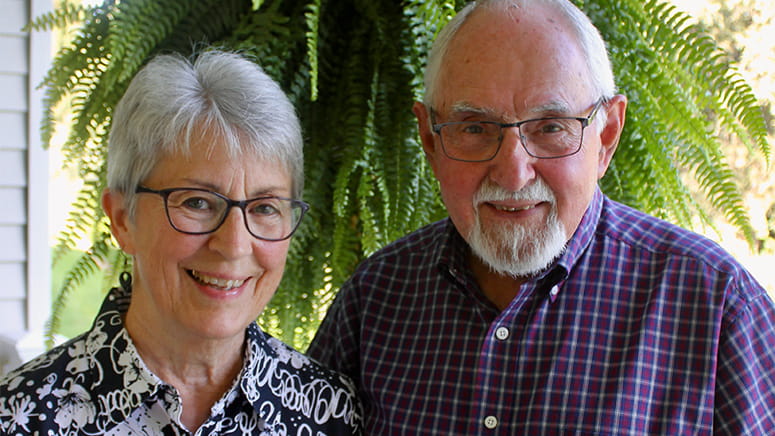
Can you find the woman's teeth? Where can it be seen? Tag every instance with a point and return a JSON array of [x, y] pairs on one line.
[[215, 282]]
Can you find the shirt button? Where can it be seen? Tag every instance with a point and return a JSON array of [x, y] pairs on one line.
[[491, 422], [502, 333], [555, 290]]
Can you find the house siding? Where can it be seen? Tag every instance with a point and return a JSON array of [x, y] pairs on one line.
[[24, 254]]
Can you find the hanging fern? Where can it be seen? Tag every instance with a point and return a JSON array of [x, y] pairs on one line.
[[681, 91], [353, 69]]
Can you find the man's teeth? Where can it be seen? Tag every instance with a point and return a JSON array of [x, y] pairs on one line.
[[514, 209], [216, 282]]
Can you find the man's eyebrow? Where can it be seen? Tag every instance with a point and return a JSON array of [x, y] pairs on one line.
[[557, 107], [552, 107], [465, 107]]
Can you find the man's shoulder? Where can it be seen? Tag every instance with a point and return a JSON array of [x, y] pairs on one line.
[[649, 234]]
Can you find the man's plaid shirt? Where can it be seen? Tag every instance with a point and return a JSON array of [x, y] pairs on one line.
[[640, 328]]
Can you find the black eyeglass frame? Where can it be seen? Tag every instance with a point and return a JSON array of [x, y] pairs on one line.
[[241, 204], [585, 122]]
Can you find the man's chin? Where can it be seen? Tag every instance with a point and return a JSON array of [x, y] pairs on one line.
[[518, 252]]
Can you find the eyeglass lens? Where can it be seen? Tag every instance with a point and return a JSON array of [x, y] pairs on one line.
[[193, 211], [543, 138]]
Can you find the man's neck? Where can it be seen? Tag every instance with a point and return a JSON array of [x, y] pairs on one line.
[[500, 289]]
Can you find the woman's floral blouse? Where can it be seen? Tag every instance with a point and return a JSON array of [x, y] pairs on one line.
[[97, 384]]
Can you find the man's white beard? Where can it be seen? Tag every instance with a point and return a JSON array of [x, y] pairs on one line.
[[513, 249]]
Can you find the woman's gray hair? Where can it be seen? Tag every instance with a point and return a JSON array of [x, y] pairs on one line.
[[173, 98], [592, 44]]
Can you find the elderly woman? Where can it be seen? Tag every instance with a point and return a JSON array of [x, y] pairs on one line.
[[204, 175]]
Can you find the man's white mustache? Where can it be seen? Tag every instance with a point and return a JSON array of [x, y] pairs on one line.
[[538, 191]]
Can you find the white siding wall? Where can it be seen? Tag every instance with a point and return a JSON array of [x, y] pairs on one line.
[[24, 254]]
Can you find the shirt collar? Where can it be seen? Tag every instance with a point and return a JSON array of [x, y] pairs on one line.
[[266, 361], [115, 367], [255, 351], [127, 376], [452, 251], [584, 233], [558, 272]]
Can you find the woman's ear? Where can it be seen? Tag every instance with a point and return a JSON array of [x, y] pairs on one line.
[[611, 131], [120, 220]]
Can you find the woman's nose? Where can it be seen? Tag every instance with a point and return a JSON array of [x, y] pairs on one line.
[[232, 239]]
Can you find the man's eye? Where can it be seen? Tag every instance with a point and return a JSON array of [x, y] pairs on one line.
[[473, 128], [552, 128]]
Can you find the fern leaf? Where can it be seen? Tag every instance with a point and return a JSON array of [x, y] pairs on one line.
[[67, 14], [313, 18]]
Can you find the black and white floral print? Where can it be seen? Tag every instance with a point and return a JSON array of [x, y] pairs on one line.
[[97, 384]]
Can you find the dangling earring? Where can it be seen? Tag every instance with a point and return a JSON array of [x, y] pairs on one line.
[[125, 278]]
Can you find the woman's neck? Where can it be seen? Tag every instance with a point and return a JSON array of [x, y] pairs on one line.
[[200, 369]]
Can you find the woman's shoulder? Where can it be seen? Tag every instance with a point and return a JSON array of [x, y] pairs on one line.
[[299, 386], [54, 361], [272, 353], [69, 387], [30, 394]]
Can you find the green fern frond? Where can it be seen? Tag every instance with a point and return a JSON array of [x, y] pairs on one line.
[[691, 92], [732, 102], [83, 217], [312, 18], [136, 29], [89, 264], [265, 35], [698, 53], [74, 69], [67, 14]]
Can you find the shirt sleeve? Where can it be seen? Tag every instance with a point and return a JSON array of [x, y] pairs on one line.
[[336, 343], [745, 383]]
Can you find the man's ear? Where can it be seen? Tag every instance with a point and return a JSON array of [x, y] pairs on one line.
[[611, 131], [120, 220], [424, 126]]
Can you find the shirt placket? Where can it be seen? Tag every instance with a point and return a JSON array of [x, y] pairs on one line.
[[496, 377]]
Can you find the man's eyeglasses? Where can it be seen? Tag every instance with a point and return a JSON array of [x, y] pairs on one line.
[[196, 211], [543, 138]]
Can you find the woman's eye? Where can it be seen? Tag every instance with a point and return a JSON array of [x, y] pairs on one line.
[[264, 209], [197, 203]]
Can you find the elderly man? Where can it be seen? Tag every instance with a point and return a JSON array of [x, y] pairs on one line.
[[541, 306]]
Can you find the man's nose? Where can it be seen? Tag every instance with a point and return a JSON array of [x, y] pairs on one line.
[[512, 168]]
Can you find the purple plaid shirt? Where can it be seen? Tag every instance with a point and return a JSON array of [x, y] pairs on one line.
[[640, 328]]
